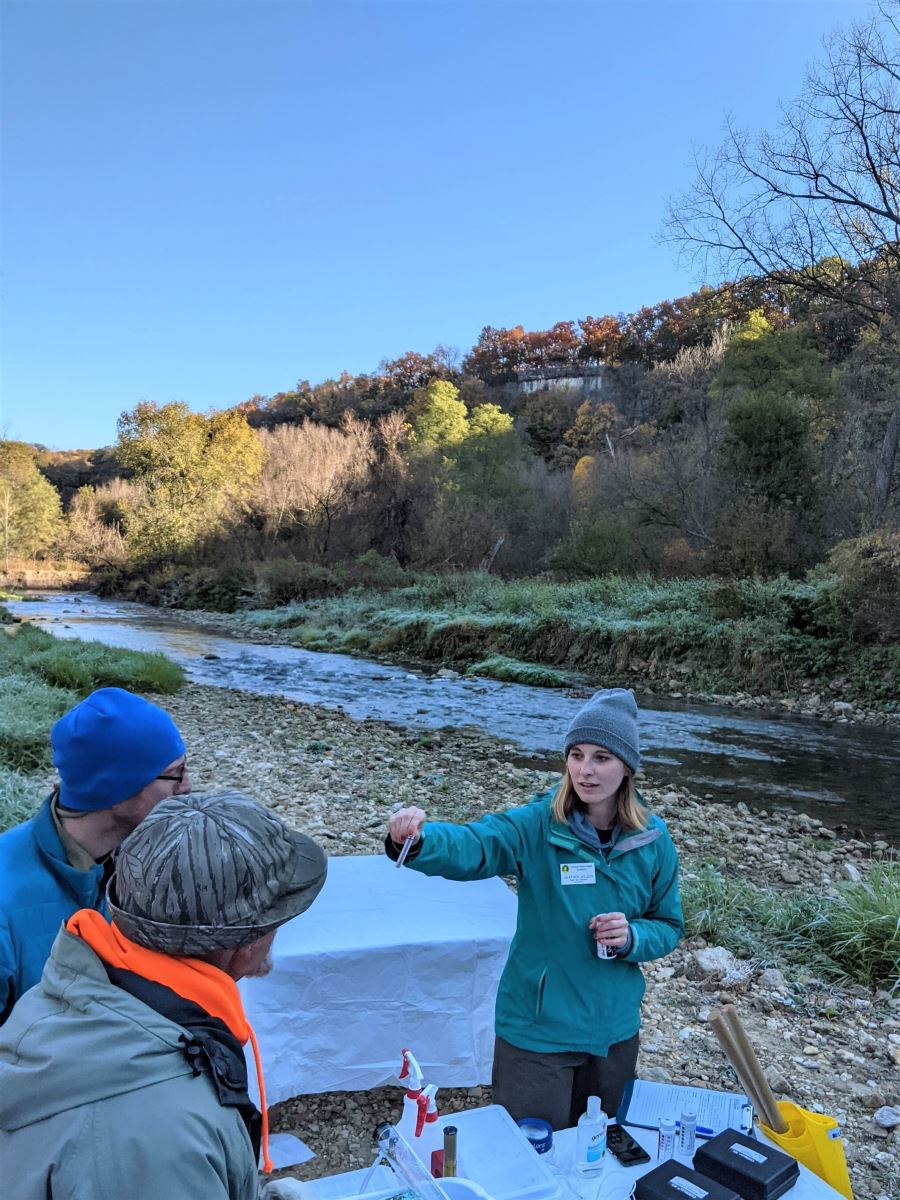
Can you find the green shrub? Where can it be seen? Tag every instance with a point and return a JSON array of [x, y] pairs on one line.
[[285, 581], [375, 570], [215, 590], [596, 545], [861, 587], [28, 707]]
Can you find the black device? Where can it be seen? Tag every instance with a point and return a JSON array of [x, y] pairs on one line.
[[756, 1170], [623, 1147], [672, 1180]]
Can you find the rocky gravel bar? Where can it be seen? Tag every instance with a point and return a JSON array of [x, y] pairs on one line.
[[829, 1048]]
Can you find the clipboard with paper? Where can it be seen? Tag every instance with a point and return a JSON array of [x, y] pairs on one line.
[[644, 1104]]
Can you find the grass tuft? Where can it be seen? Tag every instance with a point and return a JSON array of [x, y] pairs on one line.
[[511, 670], [854, 935], [40, 679]]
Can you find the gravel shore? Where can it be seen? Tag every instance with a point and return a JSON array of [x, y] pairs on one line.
[[830, 1049]]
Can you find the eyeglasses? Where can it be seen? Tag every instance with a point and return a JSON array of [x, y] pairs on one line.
[[176, 776]]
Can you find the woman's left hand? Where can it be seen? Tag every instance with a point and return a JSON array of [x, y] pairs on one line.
[[610, 928]]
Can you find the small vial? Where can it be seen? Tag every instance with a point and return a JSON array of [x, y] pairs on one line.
[[687, 1135], [449, 1151], [666, 1145]]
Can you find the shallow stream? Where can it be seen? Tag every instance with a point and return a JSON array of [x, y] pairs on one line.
[[842, 774]]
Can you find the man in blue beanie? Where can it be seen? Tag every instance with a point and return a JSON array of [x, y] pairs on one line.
[[117, 756]]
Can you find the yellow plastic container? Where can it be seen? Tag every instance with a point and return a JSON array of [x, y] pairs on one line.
[[815, 1141]]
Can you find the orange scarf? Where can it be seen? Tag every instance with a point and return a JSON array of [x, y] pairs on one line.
[[191, 978]]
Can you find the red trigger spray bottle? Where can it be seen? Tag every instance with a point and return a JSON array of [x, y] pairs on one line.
[[411, 1073], [428, 1142]]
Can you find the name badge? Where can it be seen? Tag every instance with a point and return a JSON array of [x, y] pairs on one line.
[[580, 872]]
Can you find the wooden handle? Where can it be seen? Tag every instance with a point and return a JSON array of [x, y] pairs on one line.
[[770, 1111], [727, 1041]]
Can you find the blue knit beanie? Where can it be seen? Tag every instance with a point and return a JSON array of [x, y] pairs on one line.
[[110, 746], [609, 719]]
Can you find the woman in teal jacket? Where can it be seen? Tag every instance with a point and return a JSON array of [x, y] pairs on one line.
[[598, 895]]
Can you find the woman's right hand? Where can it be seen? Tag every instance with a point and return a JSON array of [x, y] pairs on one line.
[[406, 822]]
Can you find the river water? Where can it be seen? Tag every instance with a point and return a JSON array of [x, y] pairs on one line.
[[842, 774]]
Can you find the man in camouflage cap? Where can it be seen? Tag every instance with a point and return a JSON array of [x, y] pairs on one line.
[[122, 1073]]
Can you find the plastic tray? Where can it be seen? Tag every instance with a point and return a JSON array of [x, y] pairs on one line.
[[494, 1152]]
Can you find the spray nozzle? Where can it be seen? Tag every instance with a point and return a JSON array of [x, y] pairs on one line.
[[427, 1108], [411, 1073]]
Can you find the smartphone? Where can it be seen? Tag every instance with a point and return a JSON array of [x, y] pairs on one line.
[[623, 1146]]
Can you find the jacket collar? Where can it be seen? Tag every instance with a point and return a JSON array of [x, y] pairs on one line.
[[75, 853], [563, 837], [81, 885]]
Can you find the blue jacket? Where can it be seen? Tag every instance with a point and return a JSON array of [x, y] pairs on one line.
[[555, 993], [39, 889]]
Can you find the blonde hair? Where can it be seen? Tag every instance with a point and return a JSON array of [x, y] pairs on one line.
[[630, 813]]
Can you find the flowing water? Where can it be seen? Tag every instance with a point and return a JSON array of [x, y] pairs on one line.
[[842, 774]]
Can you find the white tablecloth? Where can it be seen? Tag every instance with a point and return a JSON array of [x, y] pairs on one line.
[[384, 958], [615, 1183]]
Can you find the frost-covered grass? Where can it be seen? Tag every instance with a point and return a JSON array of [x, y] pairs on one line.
[[754, 635], [83, 666], [511, 670], [20, 796], [28, 707]]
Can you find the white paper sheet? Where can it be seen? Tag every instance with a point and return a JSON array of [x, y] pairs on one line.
[[649, 1102]]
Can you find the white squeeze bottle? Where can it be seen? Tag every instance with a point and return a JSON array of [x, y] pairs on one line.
[[429, 1135], [591, 1153], [411, 1073]]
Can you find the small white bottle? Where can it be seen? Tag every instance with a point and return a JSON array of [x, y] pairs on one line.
[[687, 1135], [591, 1152], [667, 1133]]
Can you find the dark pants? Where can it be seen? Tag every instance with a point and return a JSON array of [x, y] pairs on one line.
[[556, 1086]]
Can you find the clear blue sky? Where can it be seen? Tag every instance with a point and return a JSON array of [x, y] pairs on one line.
[[202, 201]]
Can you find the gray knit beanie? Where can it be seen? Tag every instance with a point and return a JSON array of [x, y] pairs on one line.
[[609, 719]]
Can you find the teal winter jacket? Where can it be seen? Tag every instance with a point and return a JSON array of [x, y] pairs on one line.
[[555, 994], [39, 889]]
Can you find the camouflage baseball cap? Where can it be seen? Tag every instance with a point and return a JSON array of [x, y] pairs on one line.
[[211, 872]]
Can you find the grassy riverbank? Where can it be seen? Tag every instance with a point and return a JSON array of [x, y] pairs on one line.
[[40, 678], [778, 637]]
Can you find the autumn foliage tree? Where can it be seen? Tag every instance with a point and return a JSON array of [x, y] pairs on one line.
[[195, 470], [312, 477]]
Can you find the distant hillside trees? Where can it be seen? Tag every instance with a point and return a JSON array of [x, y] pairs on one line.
[[30, 509]]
